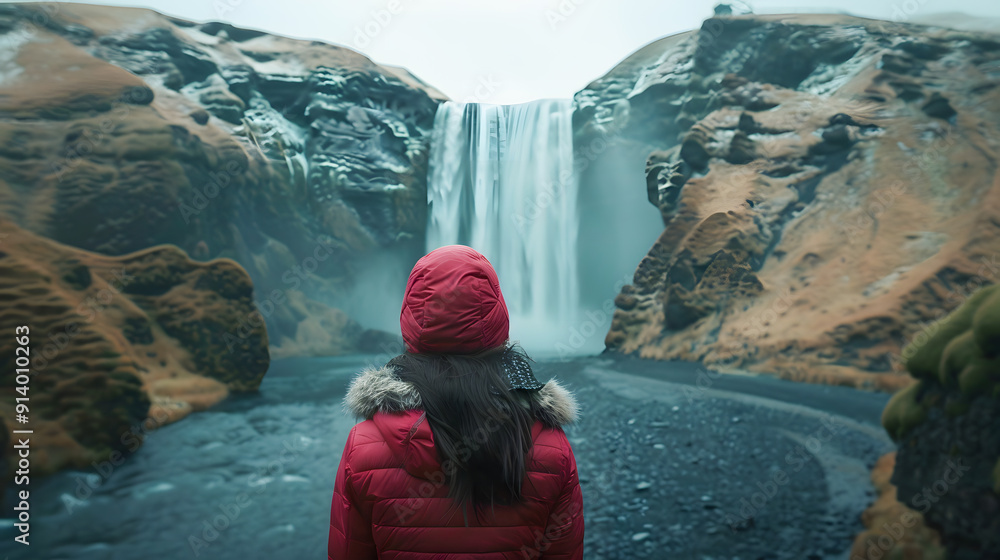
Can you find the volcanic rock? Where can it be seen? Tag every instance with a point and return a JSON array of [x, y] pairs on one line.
[[828, 185], [122, 129], [119, 345]]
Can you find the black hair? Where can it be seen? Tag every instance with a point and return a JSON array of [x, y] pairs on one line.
[[482, 428]]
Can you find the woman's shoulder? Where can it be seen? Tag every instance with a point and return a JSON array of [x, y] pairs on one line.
[[556, 405], [379, 389], [368, 446], [550, 451]]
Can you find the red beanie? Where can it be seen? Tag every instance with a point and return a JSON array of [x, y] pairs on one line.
[[453, 304]]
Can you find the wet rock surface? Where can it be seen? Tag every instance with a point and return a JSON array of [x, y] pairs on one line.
[[945, 468]]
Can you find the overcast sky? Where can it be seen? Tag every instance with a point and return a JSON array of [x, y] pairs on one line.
[[510, 51]]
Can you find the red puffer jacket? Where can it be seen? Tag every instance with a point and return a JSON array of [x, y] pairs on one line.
[[390, 500]]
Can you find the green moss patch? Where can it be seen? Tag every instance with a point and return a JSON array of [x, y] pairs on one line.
[[903, 412], [986, 323], [923, 355], [960, 353]]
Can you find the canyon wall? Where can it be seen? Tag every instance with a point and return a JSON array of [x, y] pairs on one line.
[[304, 162], [176, 196], [828, 187]]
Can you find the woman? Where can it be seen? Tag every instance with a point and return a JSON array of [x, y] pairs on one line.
[[461, 454]]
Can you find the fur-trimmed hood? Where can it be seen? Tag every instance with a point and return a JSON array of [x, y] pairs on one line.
[[381, 390]]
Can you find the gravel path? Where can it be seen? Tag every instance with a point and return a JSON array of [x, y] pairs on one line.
[[683, 469]]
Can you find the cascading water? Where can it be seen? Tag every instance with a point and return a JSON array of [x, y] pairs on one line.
[[501, 180]]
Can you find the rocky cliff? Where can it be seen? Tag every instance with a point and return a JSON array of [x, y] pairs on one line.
[[122, 128], [946, 426], [117, 346], [828, 187], [893, 530]]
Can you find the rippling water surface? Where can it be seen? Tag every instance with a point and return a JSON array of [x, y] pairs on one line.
[[260, 466]]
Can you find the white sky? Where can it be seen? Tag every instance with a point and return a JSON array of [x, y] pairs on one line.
[[510, 51]]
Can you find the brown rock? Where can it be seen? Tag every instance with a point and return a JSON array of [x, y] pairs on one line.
[[122, 342], [127, 130], [839, 212]]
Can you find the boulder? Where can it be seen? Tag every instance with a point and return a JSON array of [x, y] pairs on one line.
[[120, 345]]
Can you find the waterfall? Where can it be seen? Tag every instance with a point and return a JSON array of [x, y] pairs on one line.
[[501, 180]]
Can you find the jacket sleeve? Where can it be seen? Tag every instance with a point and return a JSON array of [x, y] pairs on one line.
[[350, 523], [565, 528]]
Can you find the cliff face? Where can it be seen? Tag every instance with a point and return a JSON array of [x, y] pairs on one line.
[[893, 530], [828, 187], [118, 346], [121, 129], [946, 425]]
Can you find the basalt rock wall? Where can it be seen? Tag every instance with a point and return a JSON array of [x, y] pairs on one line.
[[828, 187], [305, 162]]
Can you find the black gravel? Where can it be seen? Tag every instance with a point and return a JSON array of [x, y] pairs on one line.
[[687, 474]]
